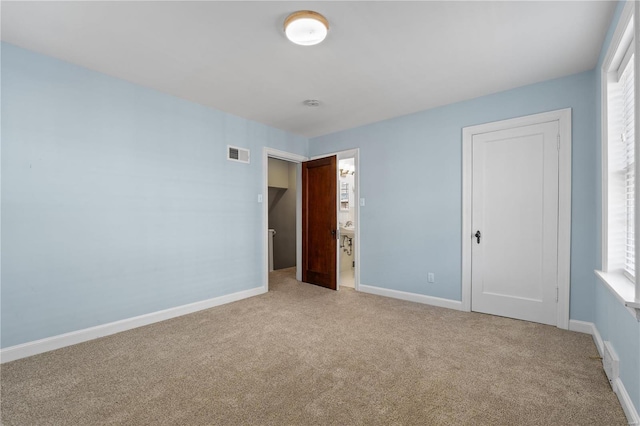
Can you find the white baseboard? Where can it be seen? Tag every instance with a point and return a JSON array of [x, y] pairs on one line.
[[581, 326], [412, 297], [35, 347], [588, 328], [598, 340], [627, 404], [625, 400]]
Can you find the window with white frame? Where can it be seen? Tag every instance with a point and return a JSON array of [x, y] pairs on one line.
[[627, 162], [618, 143]]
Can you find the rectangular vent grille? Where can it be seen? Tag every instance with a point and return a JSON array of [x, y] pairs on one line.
[[611, 363], [240, 155]]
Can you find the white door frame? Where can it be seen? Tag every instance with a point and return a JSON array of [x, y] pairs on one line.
[[292, 158], [355, 154], [563, 117]]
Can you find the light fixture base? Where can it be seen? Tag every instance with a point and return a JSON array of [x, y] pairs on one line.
[[306, 27]]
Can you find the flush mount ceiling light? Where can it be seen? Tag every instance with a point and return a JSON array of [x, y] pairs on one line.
[[306, 27], [312, 103]]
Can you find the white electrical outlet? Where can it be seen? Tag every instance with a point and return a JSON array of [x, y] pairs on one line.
[[431, 277]]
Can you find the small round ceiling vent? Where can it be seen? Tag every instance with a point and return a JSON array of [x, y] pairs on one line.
[[312, 103]]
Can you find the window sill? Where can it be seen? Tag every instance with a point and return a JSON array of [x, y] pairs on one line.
[[623, 289]]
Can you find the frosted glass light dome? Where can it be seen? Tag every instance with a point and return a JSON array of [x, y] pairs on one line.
[[306, 27]]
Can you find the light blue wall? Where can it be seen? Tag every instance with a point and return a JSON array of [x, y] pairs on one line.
[[612, 319], [118, 200], [410, 177]]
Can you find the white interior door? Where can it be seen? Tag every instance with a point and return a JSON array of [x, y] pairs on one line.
[[514, 266]]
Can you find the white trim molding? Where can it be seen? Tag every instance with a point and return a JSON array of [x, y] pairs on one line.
[[581, 326], [612, 58], [622, 289], [35, 347], [588, 328], [413, 297], [618, 386], [627, 404], [626, 291], [563, 117]]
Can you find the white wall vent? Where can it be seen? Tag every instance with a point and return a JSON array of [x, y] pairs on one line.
[[238, 154], [611, 364]]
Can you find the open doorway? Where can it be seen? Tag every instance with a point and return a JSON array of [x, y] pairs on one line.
[[348, 218], [279, 192], [347, 222], [281, 205]]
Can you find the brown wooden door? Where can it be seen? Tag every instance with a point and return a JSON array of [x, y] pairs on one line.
[[319, 217]]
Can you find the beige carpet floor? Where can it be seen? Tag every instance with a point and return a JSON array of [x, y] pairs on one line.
[[302, 355]]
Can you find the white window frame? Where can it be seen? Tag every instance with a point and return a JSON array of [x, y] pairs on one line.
[[612, 274]]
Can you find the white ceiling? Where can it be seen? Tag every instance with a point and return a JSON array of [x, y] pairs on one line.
[[380, 59]]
